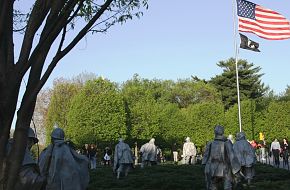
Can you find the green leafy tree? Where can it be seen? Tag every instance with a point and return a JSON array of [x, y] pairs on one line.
[[201, 119], [62, 94], [144, 104], [155, 108], [250, 83], [286, 95], [186, 92], [172, 124], [263, 102], [137, 88], [249, 116], [145, 120], [183, 92], [97, 114], [277, 121]]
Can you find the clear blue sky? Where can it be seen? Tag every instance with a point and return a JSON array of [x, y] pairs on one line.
[[177, 39]]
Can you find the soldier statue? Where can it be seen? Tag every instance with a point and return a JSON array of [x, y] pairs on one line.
[[220, 162], [189, 152], [149, 153], [29, 175], [246, 156], [123, 158], [64, 168]]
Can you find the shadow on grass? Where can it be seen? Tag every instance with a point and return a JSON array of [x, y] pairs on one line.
[[183, 177]]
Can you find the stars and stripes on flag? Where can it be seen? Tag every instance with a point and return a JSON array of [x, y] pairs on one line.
[[261, 21]]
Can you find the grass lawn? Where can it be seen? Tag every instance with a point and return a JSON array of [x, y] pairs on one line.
[[181, 177]]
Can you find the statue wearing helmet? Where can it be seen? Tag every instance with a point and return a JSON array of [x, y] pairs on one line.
[[246, 156], [60, 163], [29, 176], [220, 161], [57, 134]]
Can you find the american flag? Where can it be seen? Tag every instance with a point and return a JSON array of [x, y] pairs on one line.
[[261, 21]]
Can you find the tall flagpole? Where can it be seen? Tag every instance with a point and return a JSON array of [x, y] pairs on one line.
[[236, 63]]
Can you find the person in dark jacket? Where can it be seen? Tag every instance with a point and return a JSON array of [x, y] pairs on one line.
[[93, 156], [285, 151]]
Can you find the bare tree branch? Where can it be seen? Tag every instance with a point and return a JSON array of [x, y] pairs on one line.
[[52, 18], [84, 31], [37, 59], [54, 24], [62, 39], [19, 30], [112, 16], [69, 20], [37, 17], [80, 35], [81, 3]]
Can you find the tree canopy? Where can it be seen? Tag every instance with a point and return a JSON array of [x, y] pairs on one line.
[[149, 108], [96, 114], [250, 84]]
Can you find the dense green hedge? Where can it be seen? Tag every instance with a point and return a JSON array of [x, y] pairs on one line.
[[97, 113], [101, 111]]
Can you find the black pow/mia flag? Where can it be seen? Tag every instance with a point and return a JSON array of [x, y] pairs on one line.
[[246, 43]]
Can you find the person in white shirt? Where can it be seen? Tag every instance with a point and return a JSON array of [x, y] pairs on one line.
[[275, 149]]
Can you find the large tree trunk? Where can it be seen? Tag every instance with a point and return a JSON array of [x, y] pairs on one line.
[[10, 164], [15, 157], [9, 87], [8, 104]]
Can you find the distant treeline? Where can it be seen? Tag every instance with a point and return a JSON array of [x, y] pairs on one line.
[[96, 110]]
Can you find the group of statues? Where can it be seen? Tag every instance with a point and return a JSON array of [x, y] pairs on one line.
[[123, 157], [224, 160], [227, 162], [61, 167]]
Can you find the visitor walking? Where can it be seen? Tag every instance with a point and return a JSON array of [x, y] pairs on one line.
[[275, 149]]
